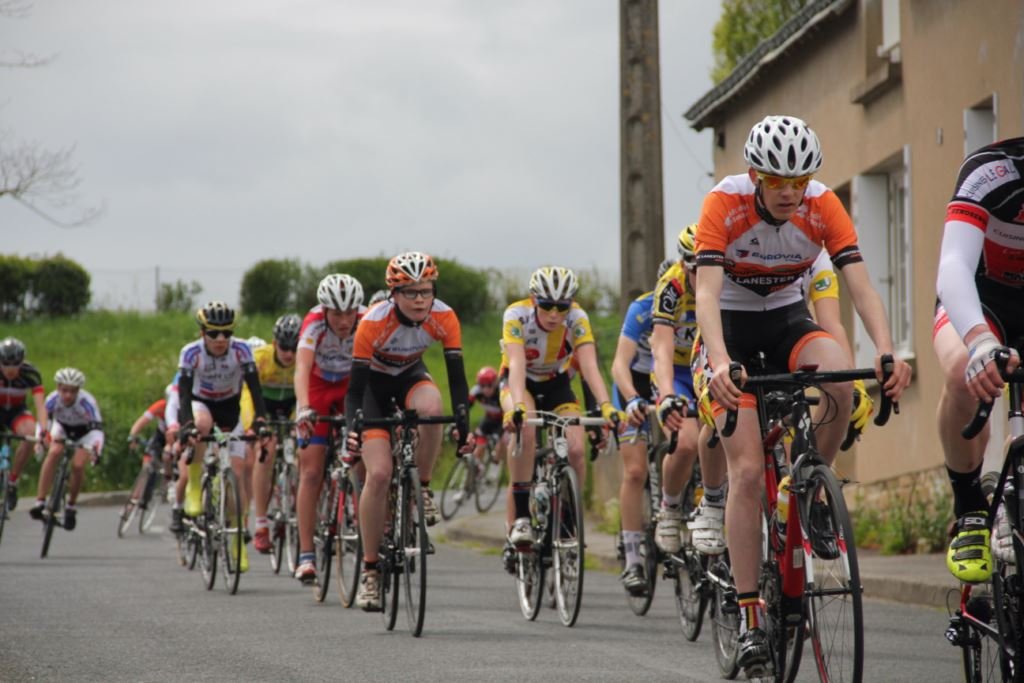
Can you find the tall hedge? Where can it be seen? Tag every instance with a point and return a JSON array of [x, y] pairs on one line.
[[54, 286]]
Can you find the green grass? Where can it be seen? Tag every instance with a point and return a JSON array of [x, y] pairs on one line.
[[128, 359]]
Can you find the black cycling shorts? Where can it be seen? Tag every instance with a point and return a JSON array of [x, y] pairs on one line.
[[780, 334]]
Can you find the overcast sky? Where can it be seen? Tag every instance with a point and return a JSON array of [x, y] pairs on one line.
[[221, 133]]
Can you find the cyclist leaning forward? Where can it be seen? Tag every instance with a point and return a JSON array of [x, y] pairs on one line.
[[982, 242], [758, 233], [540, 338], [18, 379], [212, 370], [388, 365], [323, 368], [275, 364]]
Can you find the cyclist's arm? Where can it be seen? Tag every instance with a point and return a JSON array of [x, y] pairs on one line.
[[185, 380], [303, 368], [516, 372], [140, 424], [586, 354], [252, 380], [42, 416], [458, 387], [663, 347], [709, 314], [961, 250], [621, 374], [356, 389], [868, 304]]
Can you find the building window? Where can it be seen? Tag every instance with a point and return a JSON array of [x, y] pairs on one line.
[[890, 45], [980, 125], [881, 201]]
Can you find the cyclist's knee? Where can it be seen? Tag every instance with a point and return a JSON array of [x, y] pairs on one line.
[[746, 479]]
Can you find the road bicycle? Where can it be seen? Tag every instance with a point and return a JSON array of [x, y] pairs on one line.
[[148, 491], [56, 502], [472, 479], [405, 546], [6, 439], [281, 515], [217, 534], [557, 518], [988, 625], [809, 579]]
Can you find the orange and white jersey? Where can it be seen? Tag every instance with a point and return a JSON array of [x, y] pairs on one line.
[[392, 348], [764, 264], [548, 353]]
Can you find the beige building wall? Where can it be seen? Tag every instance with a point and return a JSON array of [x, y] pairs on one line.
[[954, 55]]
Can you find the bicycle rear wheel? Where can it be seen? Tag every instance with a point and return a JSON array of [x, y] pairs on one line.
[[152, 495], [489, 481], [323, 536], [415, 547], [54, 505], [291, 527], [131, 506], [455, 492], [349, 543], [232, 531], [724, 613], [691, 595], [209, 534], [568, 547], [4, 512], [530, 583], [276, 521], [833, 591], [388, 583]]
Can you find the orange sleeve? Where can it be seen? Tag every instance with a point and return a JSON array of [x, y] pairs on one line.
[[712, 235], [450, 329], [157, 409], [362, 345], [839, 231]]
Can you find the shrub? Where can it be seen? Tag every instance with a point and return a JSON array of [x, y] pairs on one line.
[[178, 297], [269, 286], [59, 286], [16, 275]]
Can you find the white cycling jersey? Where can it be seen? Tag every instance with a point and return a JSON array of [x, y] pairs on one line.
[[216, 378]]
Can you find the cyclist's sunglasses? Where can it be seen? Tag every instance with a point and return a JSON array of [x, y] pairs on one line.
[[217, 334], [287, 349], [774, 182], [550, 305], [412, 294]]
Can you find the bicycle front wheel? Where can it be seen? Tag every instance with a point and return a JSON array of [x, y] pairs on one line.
[[349, 543], [567, 546], [530, 583], [4, 512], [131, 506], [55, 505], [490, 479], [415, 547], [209, 535], [323, 536], [983, 657], [277, 520], [455, 491], [724, 613], [833, 592], [153, 494], [691, 597], [232, 531], [291, 527]]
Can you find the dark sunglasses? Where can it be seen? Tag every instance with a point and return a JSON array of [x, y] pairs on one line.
[[217, 334], [412, 294], [549, 305], [288, 349]]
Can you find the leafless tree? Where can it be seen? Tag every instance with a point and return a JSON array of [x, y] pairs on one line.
[[29, 174]]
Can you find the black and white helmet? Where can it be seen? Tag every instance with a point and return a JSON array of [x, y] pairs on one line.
[[12, 352], [340, 292], [783, 146], [70, 376], [553, 282], [286, 330], [216, 315]]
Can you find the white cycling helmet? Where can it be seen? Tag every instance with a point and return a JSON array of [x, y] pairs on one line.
[[409, 268], [70, 376], [256, 342], [554, 283], [340, 292], [783, 146]]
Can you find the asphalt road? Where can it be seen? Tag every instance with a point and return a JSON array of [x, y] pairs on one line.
[[104, 609]]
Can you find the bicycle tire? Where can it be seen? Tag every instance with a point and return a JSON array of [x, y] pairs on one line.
[[691, 597], [641, 604], [724, 613], [415, 548], [276, 521], [349, 543], [456, 489], [834, 599], [232, 531], [529, 584], [568, 547], [4, 512], [291, 520], [54, 504], [208, 534], [982, 654], [151, 500], [131, 506], [388, 564], [323, 536], [786, 647], [489, 482]]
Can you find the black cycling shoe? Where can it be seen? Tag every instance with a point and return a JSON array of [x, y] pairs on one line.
[[754, 653], [12, 496], [824, 541], [36, 511], [634, 580], [70, 520], [177, 521]]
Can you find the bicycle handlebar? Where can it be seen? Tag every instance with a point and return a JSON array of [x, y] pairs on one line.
[[812, 377], [984, 411]]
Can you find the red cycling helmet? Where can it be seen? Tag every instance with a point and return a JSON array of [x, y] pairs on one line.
[[486, 376]]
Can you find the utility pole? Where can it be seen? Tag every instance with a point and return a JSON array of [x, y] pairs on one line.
[[642, 242]]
